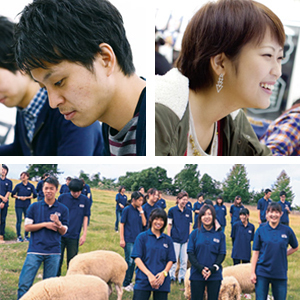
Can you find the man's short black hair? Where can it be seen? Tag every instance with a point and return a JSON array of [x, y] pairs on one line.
[[52, 180], [7, 55], [56, 30], [76, 185], [5, 167], [267, 191], [282, 193]]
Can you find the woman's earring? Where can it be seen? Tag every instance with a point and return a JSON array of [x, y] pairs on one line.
[[219, 84]]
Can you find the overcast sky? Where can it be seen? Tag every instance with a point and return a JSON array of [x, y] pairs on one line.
[[260, 175]]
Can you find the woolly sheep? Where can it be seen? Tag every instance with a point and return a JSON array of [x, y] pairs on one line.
[[108, 265], [242, 273], [76, 287], [229, 290]]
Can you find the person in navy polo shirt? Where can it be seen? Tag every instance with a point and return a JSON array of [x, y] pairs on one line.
[[235, 209], [179, 227], [242, 235], [5, 190], [132, 222], [79, 212], [65, 187], [221, 212], [121, 200], [262, 206], [286, 209], [154, 255], [152, 196], [269, 259], [39, 187], [206, 252], [47, 220], [161, 202], [196, 208], [23, 192], [87, 191]]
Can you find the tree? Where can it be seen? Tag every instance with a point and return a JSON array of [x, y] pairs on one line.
[[282, 184], [188, 180], [237, 183], [36, 171], [209, 186]]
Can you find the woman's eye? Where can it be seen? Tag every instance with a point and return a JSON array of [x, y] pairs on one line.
[[58, 83], [268, 55]]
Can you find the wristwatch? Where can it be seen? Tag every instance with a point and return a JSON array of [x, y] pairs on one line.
[[165, 273]]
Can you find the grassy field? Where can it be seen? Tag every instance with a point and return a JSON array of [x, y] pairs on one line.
[[101, 235]]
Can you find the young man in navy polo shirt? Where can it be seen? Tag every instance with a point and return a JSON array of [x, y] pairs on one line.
[[262, 206], [5, 190], [79, 212], [131, 225], [286, 208], [242, 235], [39, 187], [47, 220], [179, 227], [65, 187], [23, 192]]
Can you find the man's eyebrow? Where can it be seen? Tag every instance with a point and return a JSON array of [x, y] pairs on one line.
[[47, 75]]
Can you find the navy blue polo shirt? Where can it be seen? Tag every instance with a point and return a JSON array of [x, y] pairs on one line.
[[181, 221], [262, 205], [206, 245], [87, 190], [24, 190], [147, 208], [78, 209], [272, 245], [5, 186], [235, 211], [197, 206], [46, 241], [39, 189], [221, 213], [64, 189], [189, 205], [285, 216], [132, 223], [161, 203], [242, 240], [120, 199], [155, 253]]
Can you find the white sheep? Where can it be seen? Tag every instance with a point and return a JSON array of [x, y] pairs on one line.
[[108, 265], [242, 273], [77, 287], [229, 290]]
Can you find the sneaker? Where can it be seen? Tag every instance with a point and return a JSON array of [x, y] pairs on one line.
[[247, 296], [26, 239], [270, 297], [128, 288], [132, 284], [19, 239]]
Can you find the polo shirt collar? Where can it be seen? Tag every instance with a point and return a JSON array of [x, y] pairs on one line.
[[149, 231], [180, 209], [202, 229], [55, 204], [271, 228]]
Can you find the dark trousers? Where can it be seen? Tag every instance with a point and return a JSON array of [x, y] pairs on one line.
[[3, 220], [72, 249], [239, 261], [19, 211], [145, 295], [198, 287]]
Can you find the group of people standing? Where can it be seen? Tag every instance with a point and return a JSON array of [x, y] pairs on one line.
[[142, 224]]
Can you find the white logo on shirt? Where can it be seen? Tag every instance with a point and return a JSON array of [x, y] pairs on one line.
[[284, 236], [81, 205], [166, 245], [250, 231], [216, 240], [187, 216], [57, 213], [28, 188], [6, 183]]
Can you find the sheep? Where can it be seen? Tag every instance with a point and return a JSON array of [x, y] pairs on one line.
[[108, 265], [76, 287], [242, 273], [229, 290]]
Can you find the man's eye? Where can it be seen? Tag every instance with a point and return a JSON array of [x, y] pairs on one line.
[[58, 83]]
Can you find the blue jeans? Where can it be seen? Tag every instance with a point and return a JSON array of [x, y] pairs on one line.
[[19, 211], [198, 287], [180, 251], [118, 218], [3, 220], [130, 262], [31, 266], [279, 288], [145, 295]]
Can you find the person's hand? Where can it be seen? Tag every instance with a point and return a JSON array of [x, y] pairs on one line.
[[160, 278], [206, 273], [54, 218], [2, 205], [82, 240], [153, 281], [5, 199], [253, 278], [121, 205], [51, 226], [122, 243]]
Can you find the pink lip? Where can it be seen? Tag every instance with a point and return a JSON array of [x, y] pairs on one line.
[[2, 100], [69, 116]]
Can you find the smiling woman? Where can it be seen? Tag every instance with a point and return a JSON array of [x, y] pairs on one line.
[[225, 64]]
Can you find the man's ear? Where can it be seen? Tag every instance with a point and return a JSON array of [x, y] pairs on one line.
[[107, 58], [217, 63]]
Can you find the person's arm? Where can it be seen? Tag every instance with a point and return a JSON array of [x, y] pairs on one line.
[[142, 214], [84, 231], [151, 278], [60, 228], [39, 226], [160, 277], [191, 228], [6, 197], [290, 251], [122, 240], [169, 227], [253, 266]]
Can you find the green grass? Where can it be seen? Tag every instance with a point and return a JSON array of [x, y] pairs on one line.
[[101, 235]]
